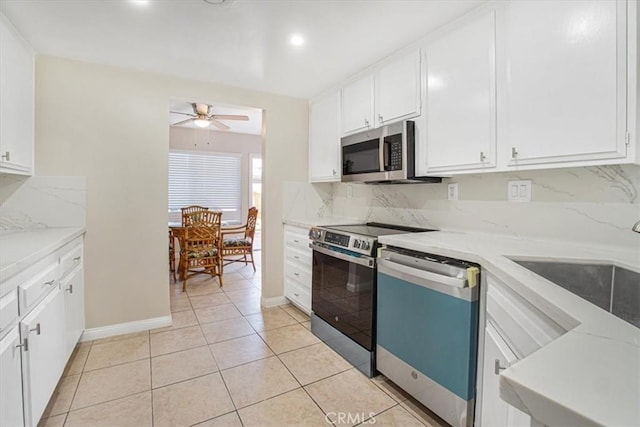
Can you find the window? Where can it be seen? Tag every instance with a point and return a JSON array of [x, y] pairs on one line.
[[211, 180]]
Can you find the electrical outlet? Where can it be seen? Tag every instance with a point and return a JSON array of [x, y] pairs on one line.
[[519, 191], [452, 191]]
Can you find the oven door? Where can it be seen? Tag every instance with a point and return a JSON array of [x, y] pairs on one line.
[[344, 293]]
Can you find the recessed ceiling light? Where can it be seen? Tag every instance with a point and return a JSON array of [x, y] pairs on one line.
[[140, 2], [296, 40]]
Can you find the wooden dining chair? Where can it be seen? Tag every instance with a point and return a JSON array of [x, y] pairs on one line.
[[172, 255], [237, 242], [201, 217], [191, 209], [201, 246]]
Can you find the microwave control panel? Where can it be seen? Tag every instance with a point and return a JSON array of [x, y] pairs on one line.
[[395, 153]]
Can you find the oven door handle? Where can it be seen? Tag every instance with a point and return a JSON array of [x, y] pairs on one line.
[[363, 260]]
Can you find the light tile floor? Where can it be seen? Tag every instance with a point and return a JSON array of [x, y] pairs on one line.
[[225, 361]]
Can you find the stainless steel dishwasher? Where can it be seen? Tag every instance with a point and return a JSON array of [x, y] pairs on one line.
[[427, 329]]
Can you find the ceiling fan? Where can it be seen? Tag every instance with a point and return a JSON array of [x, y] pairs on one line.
[[202, 117]]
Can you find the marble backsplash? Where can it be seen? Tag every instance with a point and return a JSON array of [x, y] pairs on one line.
[[594, 205], [28, 203]]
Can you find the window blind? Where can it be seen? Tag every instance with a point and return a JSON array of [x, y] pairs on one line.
[[204, 179]]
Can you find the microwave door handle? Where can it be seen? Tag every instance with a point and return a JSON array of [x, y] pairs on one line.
[[382, 153]]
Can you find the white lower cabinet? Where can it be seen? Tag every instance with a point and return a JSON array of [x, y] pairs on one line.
[[495, 411], [41, 320], [73, 289], [44, 353], [297, 267], [11, 382], [514, 329]]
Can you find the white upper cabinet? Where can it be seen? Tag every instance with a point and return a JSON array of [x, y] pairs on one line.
[[324, 139], [390, 93], [16, 101], [566, 81], [461, 96], [397, 89], [357, 105]]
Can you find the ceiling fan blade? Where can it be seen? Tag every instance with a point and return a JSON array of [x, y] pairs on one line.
[[180, 112], [182, 121], [218, 124], [230, 117]]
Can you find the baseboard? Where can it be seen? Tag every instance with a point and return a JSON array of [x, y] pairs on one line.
[[273, 301], [125, 328]]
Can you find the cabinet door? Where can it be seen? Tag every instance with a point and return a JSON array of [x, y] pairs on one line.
[[495, 411], [44, 359], [16, 101], [566, 80], [461, 97], [11, 380], [357, 105], [73, 288], [397, 89], [324, 139]]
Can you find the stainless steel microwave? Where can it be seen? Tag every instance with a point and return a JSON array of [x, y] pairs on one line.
[[385, 155]]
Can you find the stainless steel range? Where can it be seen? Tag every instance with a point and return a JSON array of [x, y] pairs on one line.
[[343, 290]]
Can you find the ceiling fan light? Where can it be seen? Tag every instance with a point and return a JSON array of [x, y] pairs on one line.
[[201, 123]]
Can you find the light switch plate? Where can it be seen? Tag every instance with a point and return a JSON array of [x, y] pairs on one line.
[[519, 191], [452, 191]]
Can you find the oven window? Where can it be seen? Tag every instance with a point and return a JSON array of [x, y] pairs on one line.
[[363, 157], [343, 295]]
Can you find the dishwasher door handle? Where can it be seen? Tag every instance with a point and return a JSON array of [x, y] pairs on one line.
[[448, 285]]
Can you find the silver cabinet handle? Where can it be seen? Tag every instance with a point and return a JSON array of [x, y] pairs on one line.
[[380, 118], [296, 274], [366, 122], [36, 329], [514, 152], [482, 156], [24, 345], [296, 294], [296, 241], [76, 259], [6, 156], [335, 172], [497, 368], [70, 289], [296, 257], [49, 283]]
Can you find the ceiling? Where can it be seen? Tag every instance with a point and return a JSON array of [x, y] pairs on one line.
[[242, 43], [253, 126]]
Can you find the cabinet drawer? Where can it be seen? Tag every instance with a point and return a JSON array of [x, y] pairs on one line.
[[8, 310], [299, 256], [71, 259], [297, 294], [298, 273], [31, 291], [521, 325], [296, 238]]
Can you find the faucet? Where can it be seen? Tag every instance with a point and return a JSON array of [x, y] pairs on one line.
[[636, 227]]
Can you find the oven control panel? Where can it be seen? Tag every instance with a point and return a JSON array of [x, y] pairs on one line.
[[336, 239], [360, 244]]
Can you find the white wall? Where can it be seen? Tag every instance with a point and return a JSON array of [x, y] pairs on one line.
[[111, 125], [206, 140]]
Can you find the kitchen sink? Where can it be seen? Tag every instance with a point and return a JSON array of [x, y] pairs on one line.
[[608, 286]]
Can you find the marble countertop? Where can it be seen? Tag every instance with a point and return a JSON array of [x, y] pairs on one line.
[[588, 376], [21, 249]]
